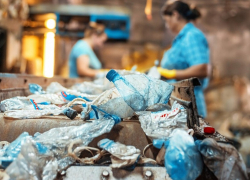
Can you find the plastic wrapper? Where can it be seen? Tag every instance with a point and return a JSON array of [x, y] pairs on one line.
[[47, 110], [55, 88], [182, 158], [58, 138], [160, 125], [15, 103], [222, 159], [121, 155], [52, 98], [140, 91]]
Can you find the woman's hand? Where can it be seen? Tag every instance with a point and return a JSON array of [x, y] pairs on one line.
[[199, 71]]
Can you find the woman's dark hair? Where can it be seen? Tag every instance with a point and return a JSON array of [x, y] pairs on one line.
[[187, 12], [94, 28]]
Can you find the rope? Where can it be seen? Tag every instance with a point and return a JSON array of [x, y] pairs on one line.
[[76, 99], [73, 153], [146, 147]]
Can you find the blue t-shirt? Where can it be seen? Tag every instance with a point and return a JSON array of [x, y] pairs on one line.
[[189, 48], [82, 48]]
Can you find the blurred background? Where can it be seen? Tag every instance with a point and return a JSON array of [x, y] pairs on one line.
[[36, 37]]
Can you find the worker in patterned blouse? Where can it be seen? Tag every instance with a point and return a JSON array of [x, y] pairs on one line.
[[82, 59], [189, 55]]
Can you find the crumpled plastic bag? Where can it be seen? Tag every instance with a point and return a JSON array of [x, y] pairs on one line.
[[222, 159], [159, 125], [29, 163], [121, 155], [182, 158], [111, 102]]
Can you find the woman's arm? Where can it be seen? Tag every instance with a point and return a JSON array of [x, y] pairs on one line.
[[83, 69], [199, 71]]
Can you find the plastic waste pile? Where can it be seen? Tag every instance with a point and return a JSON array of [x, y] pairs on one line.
[[103, 104]]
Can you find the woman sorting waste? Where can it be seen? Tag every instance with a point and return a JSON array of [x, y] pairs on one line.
[[189, 55], [82, 59]]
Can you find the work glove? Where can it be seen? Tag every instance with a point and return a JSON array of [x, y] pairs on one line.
[[169, 74]]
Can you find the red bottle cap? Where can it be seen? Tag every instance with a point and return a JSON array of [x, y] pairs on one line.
[[209, 130]]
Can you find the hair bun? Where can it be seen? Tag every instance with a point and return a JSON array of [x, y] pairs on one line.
[[193, 13]]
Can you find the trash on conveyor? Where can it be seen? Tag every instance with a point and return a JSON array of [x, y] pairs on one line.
[[50, 146], [160, 125], [186, 151]]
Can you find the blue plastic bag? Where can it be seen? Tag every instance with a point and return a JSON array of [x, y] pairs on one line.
[[182, 158]]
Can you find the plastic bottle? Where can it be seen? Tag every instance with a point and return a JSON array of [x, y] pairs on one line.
[[153, 73], [140, 91]]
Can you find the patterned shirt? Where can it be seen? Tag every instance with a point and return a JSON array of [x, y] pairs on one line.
[[189, 48]]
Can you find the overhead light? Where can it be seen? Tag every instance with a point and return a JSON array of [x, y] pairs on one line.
[[50, 24], [49, 54]]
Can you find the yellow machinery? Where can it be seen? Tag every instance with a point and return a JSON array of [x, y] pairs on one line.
[[143, 60]]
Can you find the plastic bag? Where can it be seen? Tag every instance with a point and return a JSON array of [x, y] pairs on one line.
[[160, 125], [182, 158], [29, 163], [11, 151], [222, 159], [122, 155], [140, 91], [111, 102]]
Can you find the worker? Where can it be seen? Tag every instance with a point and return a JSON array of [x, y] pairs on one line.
[[189, 54], [82, 59]]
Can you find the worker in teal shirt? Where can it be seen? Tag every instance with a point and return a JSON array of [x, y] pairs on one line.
[[82, 59], [189, 55]]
